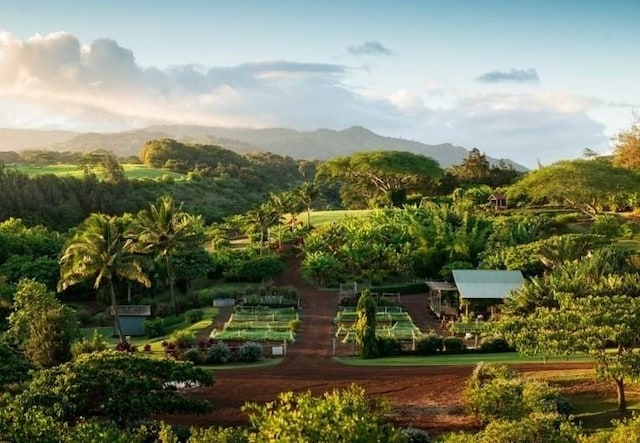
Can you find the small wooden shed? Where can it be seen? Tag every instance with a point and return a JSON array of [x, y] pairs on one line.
[[132, 318], [498, 201], [436, 288]]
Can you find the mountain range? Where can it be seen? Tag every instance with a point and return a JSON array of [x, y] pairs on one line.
[[320, 144]]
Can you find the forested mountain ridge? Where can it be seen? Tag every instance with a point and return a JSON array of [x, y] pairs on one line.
[[321, 144]]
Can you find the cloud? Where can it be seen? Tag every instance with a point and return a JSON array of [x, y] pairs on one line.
[[515, 75], [371, 47], [56, 81]]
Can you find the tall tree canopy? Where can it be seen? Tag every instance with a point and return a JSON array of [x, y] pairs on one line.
[[166, 229], [102, 251], [116, 386], [585, 185], [627, 153], [379, 177]]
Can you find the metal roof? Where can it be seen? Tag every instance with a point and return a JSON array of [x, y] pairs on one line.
[[475, 283], [441, 286], [133, 310]]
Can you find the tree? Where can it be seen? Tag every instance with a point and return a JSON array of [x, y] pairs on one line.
[[119, 386], [627, 148], [375, 177], [42, 325], [584, 325], [101, 250], [260, 219], [475, 169], [339, 416], [308, 193], [588, 186], [366, 325], [166, 229]]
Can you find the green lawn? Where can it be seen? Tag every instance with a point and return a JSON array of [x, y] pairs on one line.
[[133, 171], [456, 359], [319, 218]]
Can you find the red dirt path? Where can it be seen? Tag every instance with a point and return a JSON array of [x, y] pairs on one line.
[[426, 397]]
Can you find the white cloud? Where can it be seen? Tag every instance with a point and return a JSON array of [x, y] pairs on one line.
[[57, 81]]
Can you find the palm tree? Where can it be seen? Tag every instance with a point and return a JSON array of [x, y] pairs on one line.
[[261, 219], [308, 193], [101, 250], [165, 229]]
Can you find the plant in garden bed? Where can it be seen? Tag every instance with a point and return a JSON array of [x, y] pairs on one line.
[[250, 352], [219, 353]]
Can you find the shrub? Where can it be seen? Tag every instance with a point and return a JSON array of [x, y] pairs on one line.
[[533, 428], [154, 327], [430, 344], [494, 344], [607, 225], [183, 339], [388, 346], [193, 355], [415, 435], [454, 345], [250, 352], [195, 315], [102, 319], [97, 343], [219, 353], [83, 316], [495, 392]]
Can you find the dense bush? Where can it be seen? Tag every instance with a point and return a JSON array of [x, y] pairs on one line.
[[415, 435], [219, 353], [494, 344], [388, 346], [195, 315], [430, 344], [254, 269], [193, 355], [83, 316], [454, 345], [183, 339], [102, 319], [155, 327], [250, 352], [495, 392]]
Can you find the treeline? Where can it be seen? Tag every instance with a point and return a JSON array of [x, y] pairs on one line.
[[216, 189]]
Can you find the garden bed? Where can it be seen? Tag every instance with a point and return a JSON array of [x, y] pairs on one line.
[[391, 322], [259, 323]]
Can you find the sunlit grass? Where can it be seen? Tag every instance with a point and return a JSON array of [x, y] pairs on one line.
[[319, 218], [132, 171]]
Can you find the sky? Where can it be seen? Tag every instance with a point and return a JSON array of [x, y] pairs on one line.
[[532, 81]]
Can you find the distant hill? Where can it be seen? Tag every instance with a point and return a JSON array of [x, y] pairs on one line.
[[20, 139], [320, 144]]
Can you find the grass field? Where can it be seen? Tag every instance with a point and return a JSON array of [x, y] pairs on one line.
[[133, 171], [319, 218]]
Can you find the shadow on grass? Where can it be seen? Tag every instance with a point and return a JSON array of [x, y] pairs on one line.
[[595, 412]]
